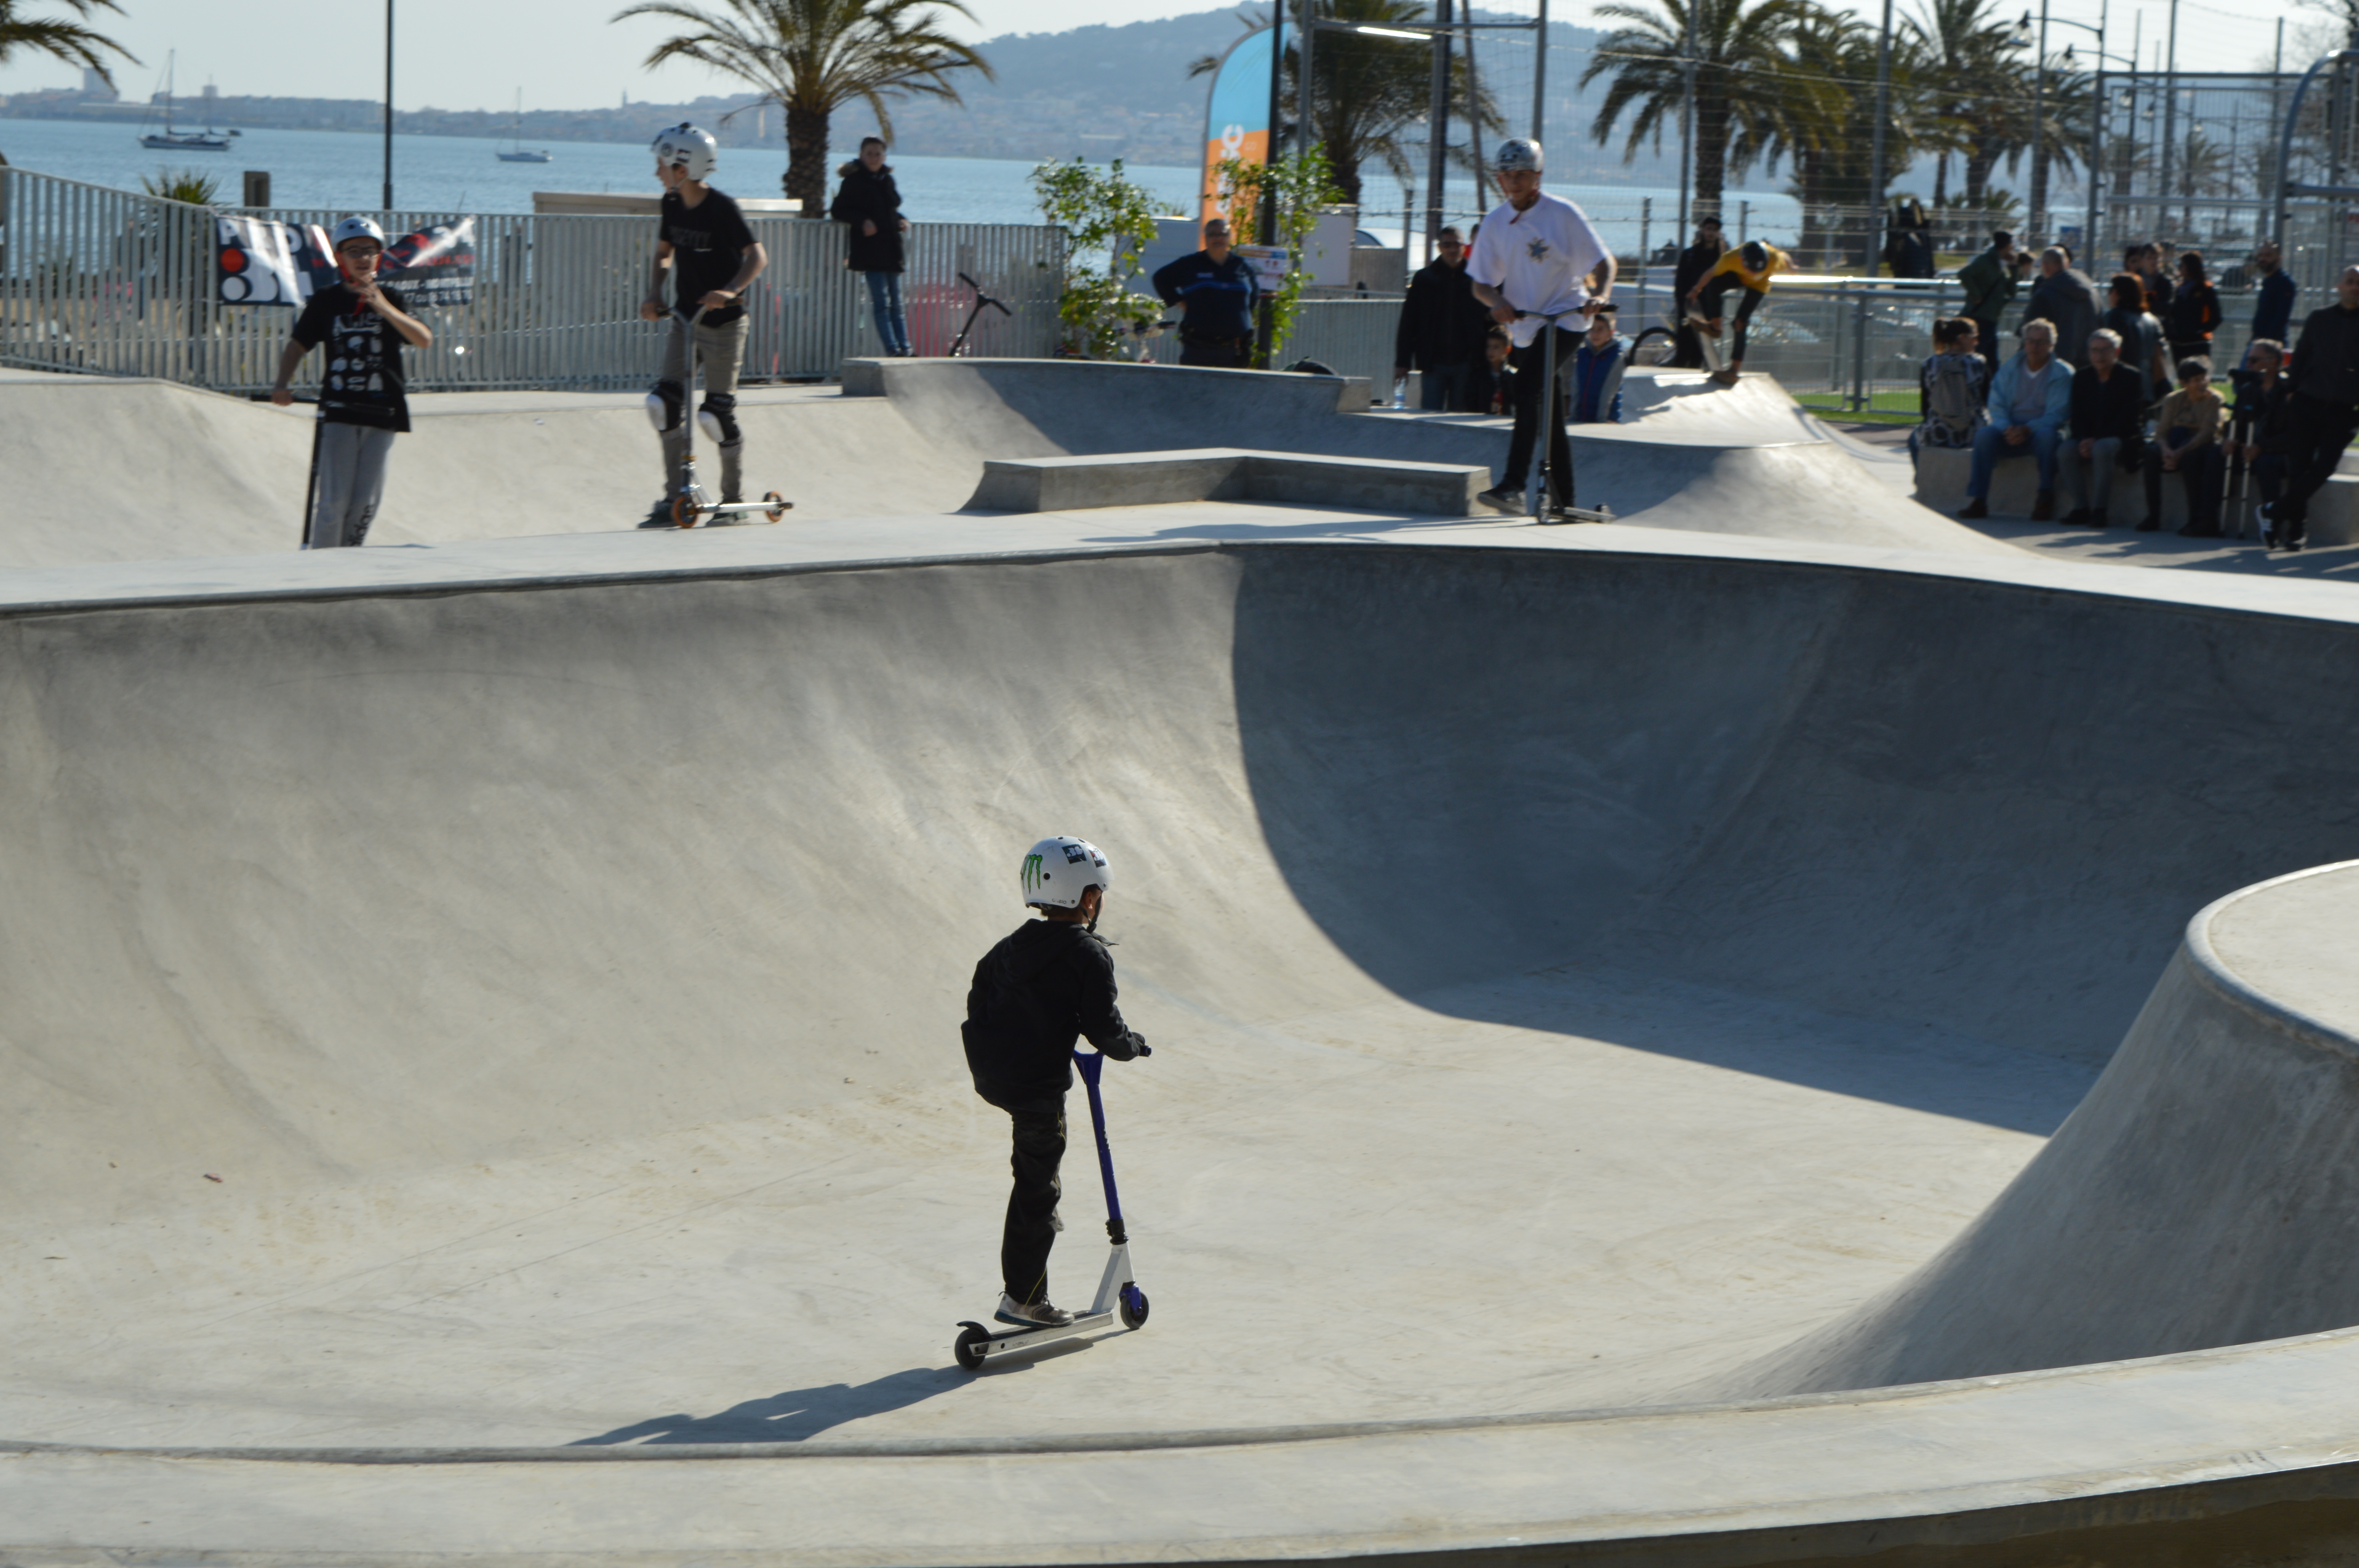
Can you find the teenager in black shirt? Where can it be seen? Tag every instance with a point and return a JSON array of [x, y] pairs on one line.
[[361, 408], [704, 241]]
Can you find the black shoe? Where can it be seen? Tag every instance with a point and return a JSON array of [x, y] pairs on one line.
[[2151, 525], [2199, 531], [659, 515], [1504, 499], [2294, 542], [2077, 518], [2099, 520]]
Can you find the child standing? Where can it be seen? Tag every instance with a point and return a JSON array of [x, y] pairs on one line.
[[1045, 986], [360, 403], [702, 241]]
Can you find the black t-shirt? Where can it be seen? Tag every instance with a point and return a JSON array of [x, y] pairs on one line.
[[709, 242], [361, 382]]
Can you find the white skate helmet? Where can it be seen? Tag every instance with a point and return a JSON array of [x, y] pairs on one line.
[[1057, 871], [1519, 152], [687, 148], [357, 228]]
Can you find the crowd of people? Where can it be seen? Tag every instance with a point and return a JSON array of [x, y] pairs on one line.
[[2121, 383]]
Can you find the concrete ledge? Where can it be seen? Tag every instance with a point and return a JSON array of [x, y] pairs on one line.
[[1226, 474], [871, 377], [1942, 474]]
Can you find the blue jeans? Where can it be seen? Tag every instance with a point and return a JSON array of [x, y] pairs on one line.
[[1442, 388], [1991, 448], [884, 307]]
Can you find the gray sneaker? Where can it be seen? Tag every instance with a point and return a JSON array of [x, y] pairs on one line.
[[659, 515], [1036, 1315], [1503, 498]]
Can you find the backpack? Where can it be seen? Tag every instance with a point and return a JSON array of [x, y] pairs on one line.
[[1950, 398]]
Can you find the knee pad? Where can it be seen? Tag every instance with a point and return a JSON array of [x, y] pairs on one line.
[[718, 418], [665, 403]]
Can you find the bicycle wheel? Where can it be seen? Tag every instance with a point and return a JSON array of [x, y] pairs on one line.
[[1655, 346]]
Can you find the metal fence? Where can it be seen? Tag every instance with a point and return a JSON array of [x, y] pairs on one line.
[[114, 283]]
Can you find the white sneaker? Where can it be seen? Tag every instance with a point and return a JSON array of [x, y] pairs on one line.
[[1036, 1314]]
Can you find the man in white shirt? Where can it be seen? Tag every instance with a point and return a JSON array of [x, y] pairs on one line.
[[1537, 255]]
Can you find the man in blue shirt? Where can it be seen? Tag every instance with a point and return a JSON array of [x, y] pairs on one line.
[[1215, 290], [2273, 302]]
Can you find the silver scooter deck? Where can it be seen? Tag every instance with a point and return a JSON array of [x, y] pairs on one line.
[[1118, 1299]]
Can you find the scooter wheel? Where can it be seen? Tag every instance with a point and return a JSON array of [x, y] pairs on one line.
[[779, 505], [969, 1349], [683, 516], [1132, 1305]]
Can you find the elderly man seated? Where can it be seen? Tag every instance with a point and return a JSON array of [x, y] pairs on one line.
[[2029, 397]]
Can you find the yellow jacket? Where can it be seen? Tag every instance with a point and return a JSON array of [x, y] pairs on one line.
[[1734, 262]]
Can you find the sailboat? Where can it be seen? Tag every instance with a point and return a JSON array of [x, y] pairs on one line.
[[172, 141], [520, 153]]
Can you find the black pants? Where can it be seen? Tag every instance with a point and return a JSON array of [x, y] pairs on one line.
[[1687, 347], [1040, 1149], [1218, 354], [2320, 431], [1528, 375], [2199, 470], [1714, 293], [1986, 342]]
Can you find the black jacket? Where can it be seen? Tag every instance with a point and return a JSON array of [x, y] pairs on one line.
[[2114, 407], [1441, 323], [1694, 262], [2326, 360], [1484, 386], [2194, 312], [1215, 298], [1042, 987], [875, 197], [2068, 302]]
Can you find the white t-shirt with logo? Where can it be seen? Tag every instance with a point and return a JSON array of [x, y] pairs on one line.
[[1540, 259]]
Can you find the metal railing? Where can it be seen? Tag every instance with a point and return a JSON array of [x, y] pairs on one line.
[[111, 282]]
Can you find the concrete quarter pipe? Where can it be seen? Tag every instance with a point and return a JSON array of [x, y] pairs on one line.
[[484, 1084]]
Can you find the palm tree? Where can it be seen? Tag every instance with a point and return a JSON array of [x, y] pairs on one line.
[[1741, 94], [1369, 89], [68, 41], [1964, 48], [1825, 124], [813, 57]]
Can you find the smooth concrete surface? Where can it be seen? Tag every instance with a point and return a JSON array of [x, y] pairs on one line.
[[129, 470], [1583, 963], [1226, 474]]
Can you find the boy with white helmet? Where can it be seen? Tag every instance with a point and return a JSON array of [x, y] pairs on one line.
[[1534, 255], [702, 241], [1047, 985], [361, 407]]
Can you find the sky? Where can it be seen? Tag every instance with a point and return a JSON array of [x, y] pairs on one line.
[[476, 54]]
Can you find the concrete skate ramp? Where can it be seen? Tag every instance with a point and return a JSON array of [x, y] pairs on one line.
[[460, 1026], [107, 471], [2203, 1194]]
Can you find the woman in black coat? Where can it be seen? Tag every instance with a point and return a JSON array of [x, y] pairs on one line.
[[2193, 311], [870, 205]]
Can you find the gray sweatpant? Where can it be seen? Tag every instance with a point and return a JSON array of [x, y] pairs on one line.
[[717, 350], [2093, 476], [351, 483]]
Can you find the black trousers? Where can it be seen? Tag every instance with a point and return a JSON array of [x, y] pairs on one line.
[[1040, 1149], [1218, 354], [1528, 375], [1716, 294], [1687, 347], [2320, 431], [2199, 470]]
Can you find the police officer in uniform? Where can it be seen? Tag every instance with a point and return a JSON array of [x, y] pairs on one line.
[[1215, 290]]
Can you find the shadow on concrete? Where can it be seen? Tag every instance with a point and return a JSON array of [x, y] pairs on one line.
[[795, 1415]]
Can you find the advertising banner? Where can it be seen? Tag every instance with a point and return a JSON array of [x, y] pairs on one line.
[[259, 260], [1237, 119]]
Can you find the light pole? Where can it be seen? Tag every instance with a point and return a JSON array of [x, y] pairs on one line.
[[2096, 117], [388, 106], [1875, 161]]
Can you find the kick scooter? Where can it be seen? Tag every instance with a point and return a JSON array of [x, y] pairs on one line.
[[1118, 1294], [1552, 409], [689, 502], [957, 344]]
